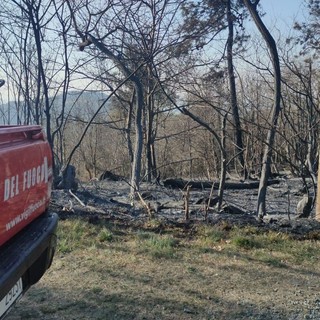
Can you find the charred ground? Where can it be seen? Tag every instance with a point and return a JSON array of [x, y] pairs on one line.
[[109, 201]]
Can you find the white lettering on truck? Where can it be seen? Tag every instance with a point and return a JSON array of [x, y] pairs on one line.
[[30, 178], [11, 187], [25, 215]]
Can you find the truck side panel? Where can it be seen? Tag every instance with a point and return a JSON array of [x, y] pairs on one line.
[[25, 178]]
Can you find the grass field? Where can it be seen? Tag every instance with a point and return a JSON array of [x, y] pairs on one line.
[[104, 271]]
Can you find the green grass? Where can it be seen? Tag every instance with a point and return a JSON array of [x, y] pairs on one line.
[[158, 246], [105, 235], [209, 235], [77, 234], [245, 242], [105, 271]]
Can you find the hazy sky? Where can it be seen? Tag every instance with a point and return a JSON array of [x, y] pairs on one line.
[[281, 13]]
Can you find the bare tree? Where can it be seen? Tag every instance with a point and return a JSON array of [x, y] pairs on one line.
[[37, 47], [310, 30], [266, 161], [311, 43], [204, 25], [131, 34]]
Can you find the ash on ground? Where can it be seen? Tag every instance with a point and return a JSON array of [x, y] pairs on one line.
[[110, 200]]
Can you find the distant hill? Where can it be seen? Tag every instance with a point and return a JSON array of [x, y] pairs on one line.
[[78, 103], [82, 104]]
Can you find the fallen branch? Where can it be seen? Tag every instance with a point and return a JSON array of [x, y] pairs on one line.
[[72, 194], [182, 184], [146, 205]]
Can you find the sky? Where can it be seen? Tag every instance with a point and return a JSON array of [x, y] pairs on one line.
[[280, 14]]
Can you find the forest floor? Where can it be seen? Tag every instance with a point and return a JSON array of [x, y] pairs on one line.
[[116, 261], [109, 201]]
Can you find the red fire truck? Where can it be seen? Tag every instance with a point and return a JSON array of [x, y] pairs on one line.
[[27, 229]]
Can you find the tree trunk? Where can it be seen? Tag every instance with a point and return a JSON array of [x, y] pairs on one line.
[[151, 170], [136, 165], [266, 161], [223, 170], [131, 76], [317, 217], [41, 81], [312, 123], [233, 94], [221, 143], [128, 128]]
